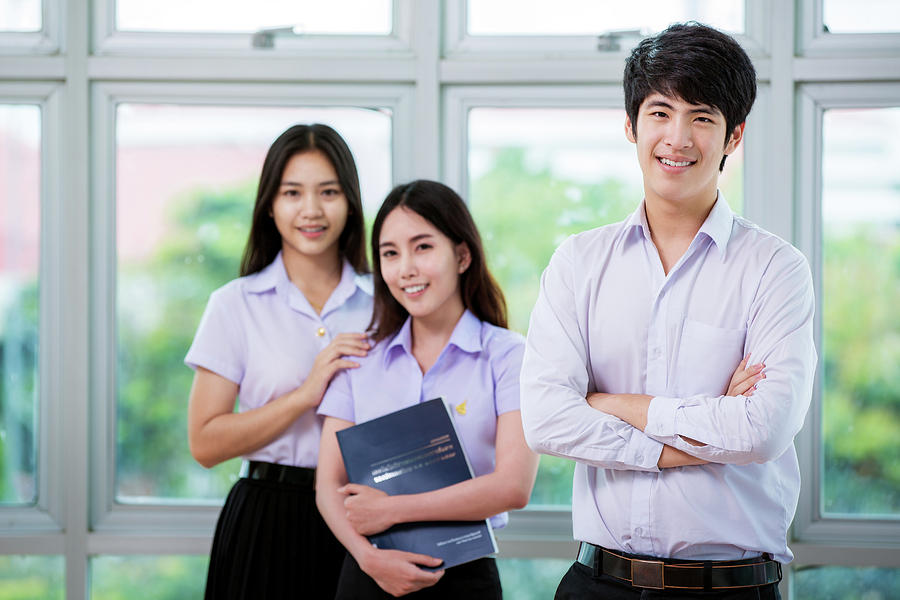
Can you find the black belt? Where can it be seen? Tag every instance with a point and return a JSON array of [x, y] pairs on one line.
[[680, 575], [265, 471]]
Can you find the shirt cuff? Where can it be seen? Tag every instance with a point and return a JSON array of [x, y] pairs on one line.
[[645, 451], [661, 416]]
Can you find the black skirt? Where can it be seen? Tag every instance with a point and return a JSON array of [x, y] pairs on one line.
[[475, 580], [271, 542]]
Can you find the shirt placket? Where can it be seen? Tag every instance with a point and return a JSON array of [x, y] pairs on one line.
[[654, 384]]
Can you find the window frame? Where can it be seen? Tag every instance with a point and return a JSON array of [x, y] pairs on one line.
[[45, 516], [810, 525], [460, 44], [47, 41], [107, 40], [179, 517], [814, 41]]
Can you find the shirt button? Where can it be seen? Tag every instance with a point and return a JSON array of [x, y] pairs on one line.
[[320, 332]]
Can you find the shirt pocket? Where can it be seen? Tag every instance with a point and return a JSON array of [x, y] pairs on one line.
[[707, 358]]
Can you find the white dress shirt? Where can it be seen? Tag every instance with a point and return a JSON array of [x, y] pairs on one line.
[[608, 319]]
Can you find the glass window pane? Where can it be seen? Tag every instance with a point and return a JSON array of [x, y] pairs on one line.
[[845, 583], [32, 577], [861, 323], [20, 15], [587, 17], [20, 193], [874, 16], [531, 578], [552, 172], [186, 183], [157, 577], [372, 17]]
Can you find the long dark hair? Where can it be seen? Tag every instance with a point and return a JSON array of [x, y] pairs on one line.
[[264, 241], [443, 208]]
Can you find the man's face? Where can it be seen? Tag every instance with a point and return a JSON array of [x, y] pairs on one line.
[[680, 147]]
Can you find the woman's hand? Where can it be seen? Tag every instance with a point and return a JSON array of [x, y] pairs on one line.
[[331, 360], [367, 508], [398, 572], [745, 378]]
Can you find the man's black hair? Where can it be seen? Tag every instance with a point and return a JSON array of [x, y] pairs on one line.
[[697, 64]]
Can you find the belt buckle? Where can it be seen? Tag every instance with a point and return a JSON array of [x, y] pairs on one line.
[[647, 574]]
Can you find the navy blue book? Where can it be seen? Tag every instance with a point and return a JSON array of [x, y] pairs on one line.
[[414, 450]]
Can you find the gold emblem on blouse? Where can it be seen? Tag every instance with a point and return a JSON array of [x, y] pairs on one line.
[[320, 332], [461, 408]]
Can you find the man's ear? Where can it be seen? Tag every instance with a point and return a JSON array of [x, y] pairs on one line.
[[463, 257], [734, 141], [629, 130]]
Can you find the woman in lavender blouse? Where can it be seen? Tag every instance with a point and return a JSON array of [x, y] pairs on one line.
[[439, 329], [273, 339]]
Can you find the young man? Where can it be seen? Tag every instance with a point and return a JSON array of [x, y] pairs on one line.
[[683, 483]]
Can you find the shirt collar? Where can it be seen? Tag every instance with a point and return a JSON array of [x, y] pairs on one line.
[[717, 225], [268, 278], [637, 226], [276, 274], [466, 336]]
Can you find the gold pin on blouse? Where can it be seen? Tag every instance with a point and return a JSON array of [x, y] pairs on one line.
[[461, 408], [320, 332]]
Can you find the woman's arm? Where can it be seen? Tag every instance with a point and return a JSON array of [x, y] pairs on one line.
[[394, 571], [508, 487], [217, 433]]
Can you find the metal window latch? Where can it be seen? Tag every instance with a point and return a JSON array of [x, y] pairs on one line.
[[610, 41], [265, 38]]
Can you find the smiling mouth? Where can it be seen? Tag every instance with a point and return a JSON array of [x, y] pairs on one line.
[[675, 163], [318, 229], [415, 289]]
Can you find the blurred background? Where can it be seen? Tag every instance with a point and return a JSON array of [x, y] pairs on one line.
[[131, 139]]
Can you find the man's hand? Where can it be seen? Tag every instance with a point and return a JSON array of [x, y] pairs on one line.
[[744, 380]]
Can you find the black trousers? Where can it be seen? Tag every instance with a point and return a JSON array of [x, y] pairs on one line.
[[476, 580], [579, 583], [271, 542]]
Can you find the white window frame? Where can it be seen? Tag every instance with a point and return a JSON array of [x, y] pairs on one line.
[[108, 40], [814, 41], [178, 518], [47, 41], [459, 44], [810, 525], [45, 517]]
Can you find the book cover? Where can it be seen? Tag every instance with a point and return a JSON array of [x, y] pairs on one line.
[[414, 450]]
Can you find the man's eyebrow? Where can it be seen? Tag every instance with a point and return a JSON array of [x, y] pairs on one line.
[[700, 108], [659, 104]]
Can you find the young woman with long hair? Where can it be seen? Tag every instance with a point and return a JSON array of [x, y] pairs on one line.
[[272, 340], [439, 328]]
